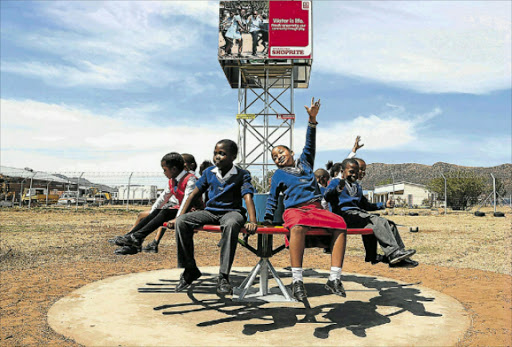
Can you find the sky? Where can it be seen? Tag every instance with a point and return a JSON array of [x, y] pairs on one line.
[[113, 86]]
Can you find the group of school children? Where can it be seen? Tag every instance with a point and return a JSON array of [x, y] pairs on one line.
[[306, 192]]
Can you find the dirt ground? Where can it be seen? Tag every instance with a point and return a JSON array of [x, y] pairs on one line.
[[47, 253]]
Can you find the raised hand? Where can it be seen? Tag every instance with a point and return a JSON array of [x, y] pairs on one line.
[[313, 110], [357, 145]]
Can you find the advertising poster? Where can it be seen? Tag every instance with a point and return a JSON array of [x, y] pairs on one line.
[[265, 30], [290, 34]]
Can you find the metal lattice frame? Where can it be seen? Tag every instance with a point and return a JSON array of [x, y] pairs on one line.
[[266, 93]]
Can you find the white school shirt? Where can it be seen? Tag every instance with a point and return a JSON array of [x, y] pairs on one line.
[[230, 173]]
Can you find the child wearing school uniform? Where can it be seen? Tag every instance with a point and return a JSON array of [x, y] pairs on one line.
[[181, 183], [190, 167], [225, 185], [346, 199], [303, 210]]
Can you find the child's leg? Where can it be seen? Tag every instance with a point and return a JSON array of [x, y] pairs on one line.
[[240, 45], [144, 221], [140, 217], [231, 223], [160, 233], [396, 234], [338, 247], [156, 222], [184, 232], [229, 45], [381, 228], [297, 245], [370, 247]]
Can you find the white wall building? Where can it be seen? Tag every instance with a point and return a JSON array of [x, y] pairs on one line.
[[410, 193]]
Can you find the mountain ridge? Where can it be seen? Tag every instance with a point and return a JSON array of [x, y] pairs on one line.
[[421, 173]]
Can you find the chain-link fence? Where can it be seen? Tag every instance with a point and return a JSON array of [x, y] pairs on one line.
[[455, 190], [25, 187]]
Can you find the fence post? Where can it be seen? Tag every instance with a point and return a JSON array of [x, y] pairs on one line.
[[78, 191], [30, 190], [48, 191], [21, 192], [445, 198], [494, 190], [128, 191], [393, 180]]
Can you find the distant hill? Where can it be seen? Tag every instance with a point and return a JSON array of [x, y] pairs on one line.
[[422, 174]]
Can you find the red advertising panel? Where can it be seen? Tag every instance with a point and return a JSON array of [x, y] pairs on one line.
[[290, 30], [265, 29]]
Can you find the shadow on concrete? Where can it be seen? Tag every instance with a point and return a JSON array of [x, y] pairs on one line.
[[355, 316]]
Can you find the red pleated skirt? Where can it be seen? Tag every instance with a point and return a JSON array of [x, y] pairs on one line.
[[314, 216]]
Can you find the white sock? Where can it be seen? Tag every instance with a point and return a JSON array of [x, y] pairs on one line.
[[297, 274], [335, 273]]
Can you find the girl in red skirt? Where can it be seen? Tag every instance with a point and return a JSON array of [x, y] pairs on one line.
[[303, 209]]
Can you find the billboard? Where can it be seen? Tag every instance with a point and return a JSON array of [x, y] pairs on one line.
[[265, 29]]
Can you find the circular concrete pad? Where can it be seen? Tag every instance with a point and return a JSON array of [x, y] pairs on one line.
[[142, 309]]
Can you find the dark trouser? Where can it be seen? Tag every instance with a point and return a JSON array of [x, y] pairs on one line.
[[370, 248], [264, 38], [230, 222], [229, 45], [384, 231], [255, 37], [152, 222]]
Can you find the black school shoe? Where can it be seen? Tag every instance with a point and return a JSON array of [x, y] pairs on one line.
[[123, 240], [125, 250], [336, 287], [379, 258], [151, 247], [224, 287], [400, 254], [299, 291], [407, 263], [187, 277], [118, 240]]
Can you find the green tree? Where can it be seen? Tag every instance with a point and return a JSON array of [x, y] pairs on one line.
[[384, 182], [463, 188]]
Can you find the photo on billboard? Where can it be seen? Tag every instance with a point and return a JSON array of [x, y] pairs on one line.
[[243, 29], [265, 30], [290, 30]]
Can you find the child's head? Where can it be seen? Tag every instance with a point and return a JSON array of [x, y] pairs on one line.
[[172, 164], [350, 170], [282, 156], [204, 165], [362, 168], [190, 162], [225, 153], [322, 177], [334, 168]]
